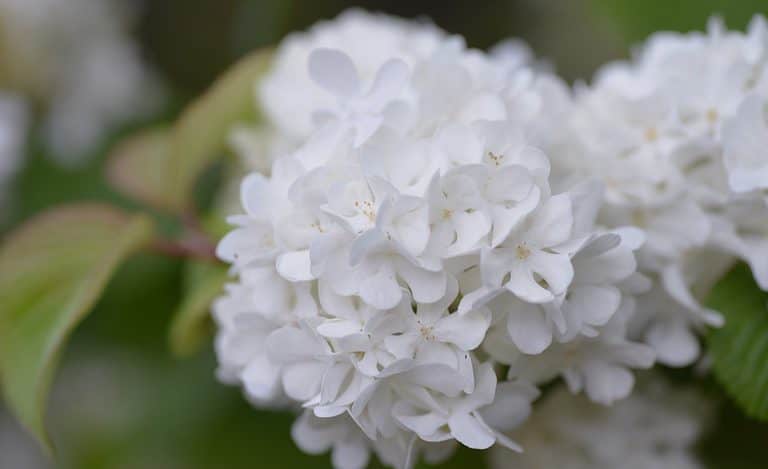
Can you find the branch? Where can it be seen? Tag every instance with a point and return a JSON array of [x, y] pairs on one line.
[[194, 246]]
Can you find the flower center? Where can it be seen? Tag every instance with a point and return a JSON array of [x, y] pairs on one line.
[[366, 208], [651, 134], [267, 240], [427, 332], [639, 218], [522, 251], [496, 159], [712, 115]]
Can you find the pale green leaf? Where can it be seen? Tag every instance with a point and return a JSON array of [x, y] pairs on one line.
[[139, 168], [52, 271], [635, 20], [200, 135], [191, 324], [160, 167], [739, 349]]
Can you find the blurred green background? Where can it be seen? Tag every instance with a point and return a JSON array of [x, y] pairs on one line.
[[120, 400]]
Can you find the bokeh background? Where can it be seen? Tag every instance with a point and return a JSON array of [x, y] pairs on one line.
[[120, 400]]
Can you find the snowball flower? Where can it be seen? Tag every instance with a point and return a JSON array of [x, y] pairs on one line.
[[410, 233], [675, 136]]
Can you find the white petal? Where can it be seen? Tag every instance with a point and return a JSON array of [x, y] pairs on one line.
[[466, 331], [433, 352], [508, 443], [424, 423], [756, 255], [593, 305], [471, 433], [552, 222], [321, 249], [369, 242], [470, 229], [334, 71], [484, 392], [389, 81], [243, 246], [311, 436], [295, 266], [381, 290], [441, 378], [600, 244], [485, 106], [230, 245], [745, 139], [291, 343], [529, 329], [608, 267], [587, 200], [477, 298], [302, 380], [403, 345], [505, 219], [509, 184], [255, 196], [334, 381], [426, 286], [555, 269], [365, 126], [261, 378], [522, 284], [606, 383], [337, 328], [411, 224], [511, 405], [674, 343], [350, 454]]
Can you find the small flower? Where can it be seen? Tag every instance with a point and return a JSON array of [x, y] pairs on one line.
[[360, 112], [460, 417], [599, 366], [528, 263]]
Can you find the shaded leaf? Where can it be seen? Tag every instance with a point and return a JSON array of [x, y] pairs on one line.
[[52, 271], [160, 167], [191, 324], [636, 20], [740, 348], [200, 135], [139, 168]]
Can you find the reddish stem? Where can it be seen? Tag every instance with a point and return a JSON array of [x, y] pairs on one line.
[[195, 246]]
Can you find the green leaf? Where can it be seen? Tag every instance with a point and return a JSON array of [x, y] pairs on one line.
[[191, 325], [200, 135], [160, 167], [52, 271], [139, 167], [740, 348], [635, 20]]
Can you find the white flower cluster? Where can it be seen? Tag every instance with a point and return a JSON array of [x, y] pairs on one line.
[[406, 272], [77, 56], [678, 137], [658, 426]]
